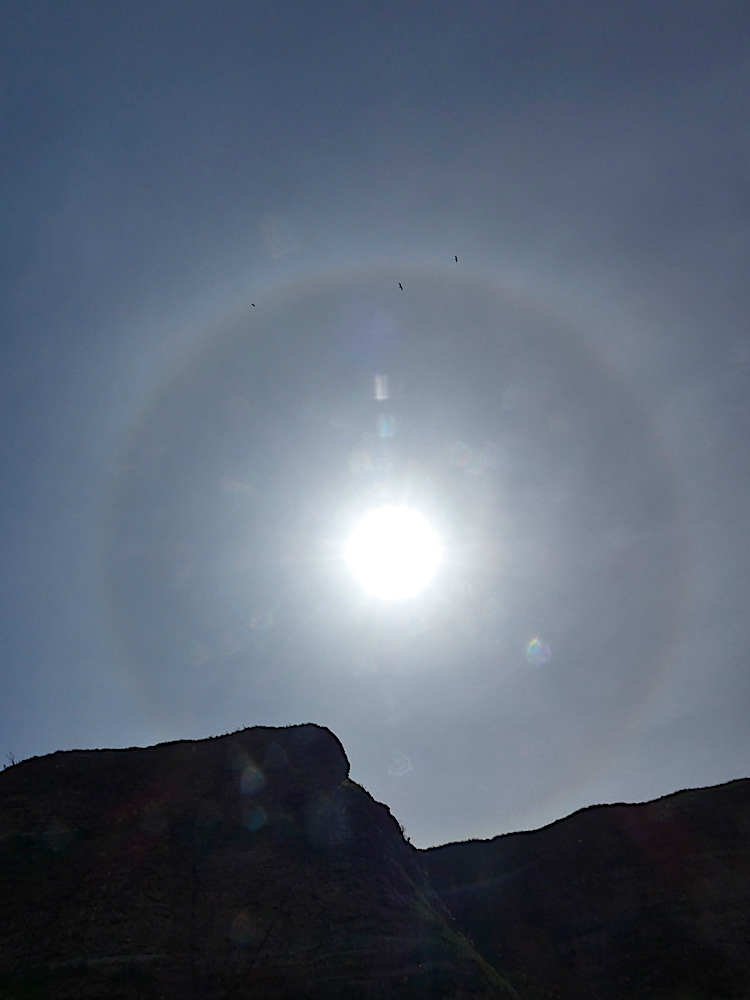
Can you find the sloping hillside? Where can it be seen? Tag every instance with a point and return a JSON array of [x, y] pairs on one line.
[[250, 866], [237, 867], [620, 902]]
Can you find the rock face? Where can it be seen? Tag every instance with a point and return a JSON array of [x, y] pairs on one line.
[[621, 902], [251, 866], [237, 867]]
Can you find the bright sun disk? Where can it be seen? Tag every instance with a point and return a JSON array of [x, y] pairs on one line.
[[393, 552]]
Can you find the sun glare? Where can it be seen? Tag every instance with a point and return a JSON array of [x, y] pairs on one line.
[[393, 552]]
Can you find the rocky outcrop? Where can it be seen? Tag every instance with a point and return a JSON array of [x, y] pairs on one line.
[[243, 866], [251, 866], [620, 902]]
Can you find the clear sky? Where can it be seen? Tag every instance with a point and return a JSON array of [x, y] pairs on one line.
[[209, 372]]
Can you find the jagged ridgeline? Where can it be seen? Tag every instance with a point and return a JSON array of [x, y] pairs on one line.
[[251, 866], [242, 866]]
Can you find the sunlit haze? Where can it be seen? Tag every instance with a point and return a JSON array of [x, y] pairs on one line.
[[384, 366], [393, 552]]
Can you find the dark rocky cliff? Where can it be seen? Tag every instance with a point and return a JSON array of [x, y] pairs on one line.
[[250, 866], [620, 902], [237, 867]]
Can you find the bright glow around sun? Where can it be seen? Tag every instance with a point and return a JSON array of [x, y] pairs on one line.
[[393, 552]]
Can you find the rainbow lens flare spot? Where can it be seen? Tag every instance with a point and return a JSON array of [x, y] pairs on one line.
[[538, 652]]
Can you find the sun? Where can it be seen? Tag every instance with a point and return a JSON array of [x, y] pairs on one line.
[[393, 552]]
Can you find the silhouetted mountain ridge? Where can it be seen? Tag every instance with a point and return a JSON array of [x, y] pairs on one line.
[[247, 865], [250, 865], [615, 901]]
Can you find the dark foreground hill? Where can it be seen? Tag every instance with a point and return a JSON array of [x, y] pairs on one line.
[[250, 866], [247, 866], [621, 902]]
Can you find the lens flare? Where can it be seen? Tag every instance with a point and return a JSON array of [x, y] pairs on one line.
[[393, 552], [400, 765], [538, 652]]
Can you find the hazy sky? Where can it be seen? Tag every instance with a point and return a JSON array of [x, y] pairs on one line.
[[568, 403]]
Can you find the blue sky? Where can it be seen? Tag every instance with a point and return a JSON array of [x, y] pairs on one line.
[[570, 401]]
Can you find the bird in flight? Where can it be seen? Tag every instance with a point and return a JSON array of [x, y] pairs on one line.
[[457, 260], [400, 286], [253, 305]]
